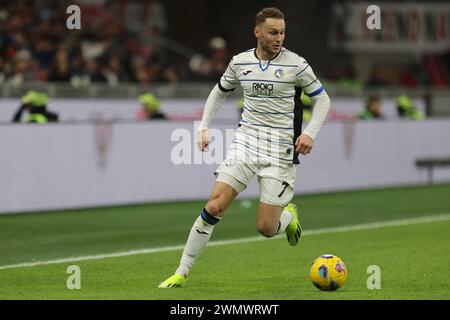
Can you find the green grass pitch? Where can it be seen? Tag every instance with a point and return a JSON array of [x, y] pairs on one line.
[[413, 258]]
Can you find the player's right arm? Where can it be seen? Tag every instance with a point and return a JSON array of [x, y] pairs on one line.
[[227, 83]]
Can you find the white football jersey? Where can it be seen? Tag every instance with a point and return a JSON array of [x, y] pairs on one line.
[[272, 115]]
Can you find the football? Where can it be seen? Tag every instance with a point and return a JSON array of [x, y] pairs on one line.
[[328, 272]]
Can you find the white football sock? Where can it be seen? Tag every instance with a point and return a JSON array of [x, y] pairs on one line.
[[198, 238], [285, 220]]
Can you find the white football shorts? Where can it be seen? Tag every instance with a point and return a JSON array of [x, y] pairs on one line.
[[276, 181]]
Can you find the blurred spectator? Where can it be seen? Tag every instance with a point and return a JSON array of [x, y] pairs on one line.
[[60, 69], [149, 108], [372, 109], [407, 110], [169, 74], [35, 104], [211, 68], [113, 71], [218, 56], [92, 71], [21, 67], [409, 78]]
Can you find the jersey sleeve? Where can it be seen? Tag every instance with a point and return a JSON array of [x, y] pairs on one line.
[[307, 80], [229, 80]]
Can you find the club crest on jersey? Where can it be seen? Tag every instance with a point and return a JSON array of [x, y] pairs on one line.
[[279, 73], [262, 89]]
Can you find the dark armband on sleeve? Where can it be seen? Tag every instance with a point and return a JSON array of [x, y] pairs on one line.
[[223, 89]]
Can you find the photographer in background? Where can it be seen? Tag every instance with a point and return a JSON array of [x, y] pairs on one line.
[[149, 108], [372, 109], [407, 110], [35, 103]]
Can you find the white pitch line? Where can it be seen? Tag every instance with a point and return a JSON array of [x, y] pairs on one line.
[[356, 227]]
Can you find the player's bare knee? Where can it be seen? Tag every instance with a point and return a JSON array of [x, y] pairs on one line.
[[214, 207], [265, 229]]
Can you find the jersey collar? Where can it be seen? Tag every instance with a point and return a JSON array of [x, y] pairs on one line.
[[268, 63]]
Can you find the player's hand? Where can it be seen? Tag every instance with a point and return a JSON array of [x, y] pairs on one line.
[[203, 139], [304, 144]]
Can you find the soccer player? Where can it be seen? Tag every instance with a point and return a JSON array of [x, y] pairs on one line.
[[267, 142]]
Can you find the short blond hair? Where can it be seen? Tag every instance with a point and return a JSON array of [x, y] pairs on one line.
[[266, 13]]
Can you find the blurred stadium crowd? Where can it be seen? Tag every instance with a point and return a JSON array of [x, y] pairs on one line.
[[35, 45], [121, 42]]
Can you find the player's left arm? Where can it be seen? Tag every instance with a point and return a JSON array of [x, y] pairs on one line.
[[311, 85]]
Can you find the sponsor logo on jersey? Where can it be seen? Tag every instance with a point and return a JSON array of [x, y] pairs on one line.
[[262, 89], [279, 73], [246, 72]]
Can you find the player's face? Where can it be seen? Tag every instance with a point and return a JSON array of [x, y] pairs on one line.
[[270, 35]]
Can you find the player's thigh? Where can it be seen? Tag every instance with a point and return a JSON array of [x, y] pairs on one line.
[[275, 192], [221, 197], [231, 180]]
